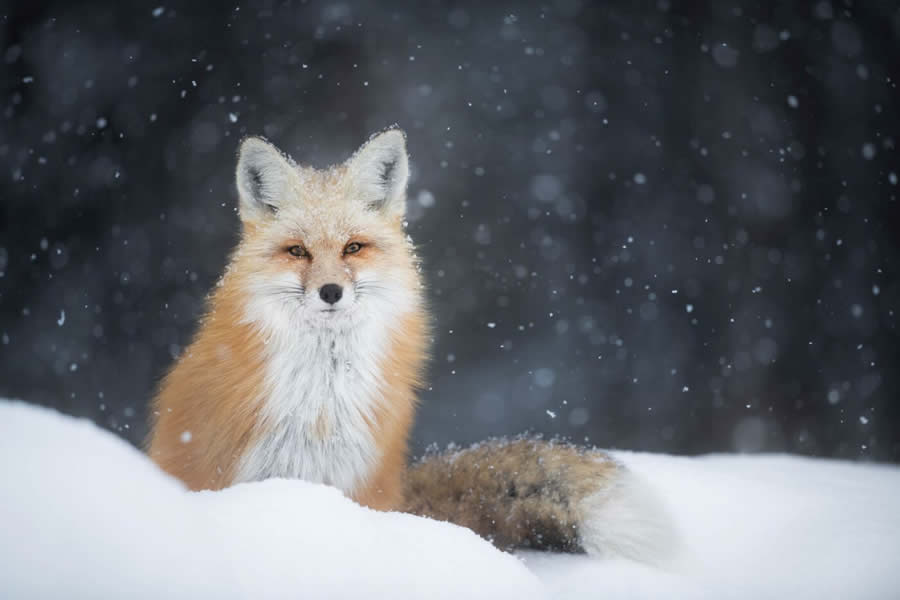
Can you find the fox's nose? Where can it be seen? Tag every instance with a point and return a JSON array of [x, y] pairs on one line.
[[331, 292]]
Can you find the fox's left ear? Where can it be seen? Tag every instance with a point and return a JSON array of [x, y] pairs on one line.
[[380, 171]]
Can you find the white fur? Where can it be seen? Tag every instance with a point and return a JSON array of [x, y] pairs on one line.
[[322, 369], [625, 518], [321, 376]]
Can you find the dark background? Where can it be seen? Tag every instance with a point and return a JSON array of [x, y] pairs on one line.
[[654, 225]]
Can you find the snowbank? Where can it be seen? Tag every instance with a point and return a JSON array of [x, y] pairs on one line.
[[756, 527], [84, 514]]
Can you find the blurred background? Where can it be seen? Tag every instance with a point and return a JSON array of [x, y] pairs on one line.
[[657, 225]]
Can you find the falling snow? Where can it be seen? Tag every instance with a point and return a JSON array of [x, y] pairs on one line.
[[641, 217]]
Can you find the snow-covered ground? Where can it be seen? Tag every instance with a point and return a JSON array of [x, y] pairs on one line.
[[84, 514], [765, 526]]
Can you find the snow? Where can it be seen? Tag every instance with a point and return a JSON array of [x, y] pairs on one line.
[[89, 515], [93, 517], [755, 527]]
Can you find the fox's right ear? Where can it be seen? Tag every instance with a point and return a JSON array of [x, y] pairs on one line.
[[380, 169], [264, 177]]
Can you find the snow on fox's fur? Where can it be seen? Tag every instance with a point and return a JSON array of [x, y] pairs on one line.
[[308, 360]]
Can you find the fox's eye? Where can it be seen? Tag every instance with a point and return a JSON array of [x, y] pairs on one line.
[[353, 248], [298, 251]]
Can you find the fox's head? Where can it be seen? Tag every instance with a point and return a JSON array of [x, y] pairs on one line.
[[325, 248]]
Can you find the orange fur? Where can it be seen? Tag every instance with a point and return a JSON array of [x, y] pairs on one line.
[[205, 414], [402, 370]]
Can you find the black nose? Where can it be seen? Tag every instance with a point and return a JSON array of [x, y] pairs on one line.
[[331, 292]]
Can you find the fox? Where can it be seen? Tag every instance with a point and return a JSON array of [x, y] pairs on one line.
[[311, 353]]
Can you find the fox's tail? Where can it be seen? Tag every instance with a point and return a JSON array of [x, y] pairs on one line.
[[529, 493]]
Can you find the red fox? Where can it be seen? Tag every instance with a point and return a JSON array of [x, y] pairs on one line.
[[308, 361]]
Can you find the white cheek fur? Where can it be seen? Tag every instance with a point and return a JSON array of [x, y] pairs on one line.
[[323, 380]]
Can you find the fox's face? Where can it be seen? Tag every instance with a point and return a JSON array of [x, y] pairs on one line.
[[325, 248]]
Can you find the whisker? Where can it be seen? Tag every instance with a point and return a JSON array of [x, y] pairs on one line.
[[371, 287], [293, 295]]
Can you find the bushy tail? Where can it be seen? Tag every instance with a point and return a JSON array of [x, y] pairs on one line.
[[529, 493]]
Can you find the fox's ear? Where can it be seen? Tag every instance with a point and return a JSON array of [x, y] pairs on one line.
[[380, 171], [263, 178]]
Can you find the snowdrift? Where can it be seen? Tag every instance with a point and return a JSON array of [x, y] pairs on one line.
[[84, 514]]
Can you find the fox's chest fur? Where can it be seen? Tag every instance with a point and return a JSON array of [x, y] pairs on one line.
[[256, 397], [318, 408]]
